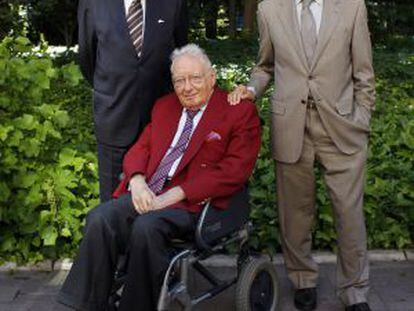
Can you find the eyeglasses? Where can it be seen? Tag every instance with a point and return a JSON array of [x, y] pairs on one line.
[[195, 80]]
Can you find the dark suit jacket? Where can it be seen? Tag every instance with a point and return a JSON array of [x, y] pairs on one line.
[[125, 87], [219, 158]]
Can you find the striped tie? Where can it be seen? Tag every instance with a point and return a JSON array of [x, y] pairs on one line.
[[157, 181], [135, 22]]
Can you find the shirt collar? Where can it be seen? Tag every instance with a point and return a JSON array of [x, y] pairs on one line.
[[201, 109], [320, 2]]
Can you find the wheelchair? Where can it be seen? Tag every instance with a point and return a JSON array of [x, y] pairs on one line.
[[257, 285]]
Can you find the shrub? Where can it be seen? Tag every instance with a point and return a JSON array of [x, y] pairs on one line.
[[48, 176], [47, 183], [389, 192]]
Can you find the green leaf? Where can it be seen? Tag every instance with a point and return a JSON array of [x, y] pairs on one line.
[[65, 232], [4, 192], [30, 147], [26, 122], [15, 138], [4, 131], [71, 73], [66, 157], [49, 236], [34, 197]]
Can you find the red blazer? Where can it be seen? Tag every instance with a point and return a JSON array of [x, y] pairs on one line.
[[219, 158]]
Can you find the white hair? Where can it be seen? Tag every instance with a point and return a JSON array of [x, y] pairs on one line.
[[193, 50]]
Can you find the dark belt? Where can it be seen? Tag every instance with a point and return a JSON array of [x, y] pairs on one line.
[[311, 103]]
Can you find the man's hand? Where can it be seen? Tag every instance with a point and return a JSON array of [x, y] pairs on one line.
[[170, 197], [239, 93], [142, 196]]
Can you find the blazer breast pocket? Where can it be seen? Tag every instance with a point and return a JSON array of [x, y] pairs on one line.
[[278, 107]]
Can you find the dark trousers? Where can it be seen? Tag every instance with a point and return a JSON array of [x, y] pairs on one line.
[[114, 228], [109, 169]]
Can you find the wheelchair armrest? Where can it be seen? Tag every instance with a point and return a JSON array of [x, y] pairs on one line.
[[215, 224], [200, 241]]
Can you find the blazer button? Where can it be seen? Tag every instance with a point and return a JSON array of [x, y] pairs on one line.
[[311, 77], [303, 101]]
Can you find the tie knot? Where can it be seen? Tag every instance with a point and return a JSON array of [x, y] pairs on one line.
[[192, 113], [306, 3], [135, 5]]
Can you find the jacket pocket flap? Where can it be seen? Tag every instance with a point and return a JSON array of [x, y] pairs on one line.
[[344, 107]]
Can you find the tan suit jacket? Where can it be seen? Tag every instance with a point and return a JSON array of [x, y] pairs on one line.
[[341, 77]]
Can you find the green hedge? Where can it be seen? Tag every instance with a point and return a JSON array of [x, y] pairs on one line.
[[48, 161], [389, 199], [47, 176]]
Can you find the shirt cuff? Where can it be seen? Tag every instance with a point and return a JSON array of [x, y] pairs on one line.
[[252, 89]]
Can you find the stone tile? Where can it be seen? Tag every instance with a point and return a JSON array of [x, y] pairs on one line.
[[8, 292], [392, 289], [409, 254], [386, 255]]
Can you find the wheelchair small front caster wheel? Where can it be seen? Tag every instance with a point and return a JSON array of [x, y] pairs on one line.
[[257, 287]]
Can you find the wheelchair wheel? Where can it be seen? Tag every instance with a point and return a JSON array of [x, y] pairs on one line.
[[257, 287]]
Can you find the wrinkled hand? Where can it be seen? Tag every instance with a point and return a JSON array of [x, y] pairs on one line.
[[239, 93], [172, 196], [142, 196]]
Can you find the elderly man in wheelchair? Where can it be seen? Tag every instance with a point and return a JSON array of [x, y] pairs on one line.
[[181, 199]]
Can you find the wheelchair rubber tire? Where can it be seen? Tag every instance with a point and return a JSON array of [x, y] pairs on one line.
[[257, 286]]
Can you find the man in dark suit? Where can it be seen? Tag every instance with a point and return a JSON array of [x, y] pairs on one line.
[[196, 148], [123, 48]]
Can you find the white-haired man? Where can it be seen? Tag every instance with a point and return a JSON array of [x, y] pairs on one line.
[[196, 148]]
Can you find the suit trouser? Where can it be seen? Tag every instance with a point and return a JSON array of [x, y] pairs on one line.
[[113, 228], [109, 169], [344, 177]]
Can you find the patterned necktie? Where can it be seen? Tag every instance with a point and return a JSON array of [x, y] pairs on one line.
[[135, 22], [308, 30], [157, 181]]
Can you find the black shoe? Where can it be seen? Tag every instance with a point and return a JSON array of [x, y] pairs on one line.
[[363, 306], [305, 299]]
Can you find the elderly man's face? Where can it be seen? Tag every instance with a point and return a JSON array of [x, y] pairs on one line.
[[193, 81]]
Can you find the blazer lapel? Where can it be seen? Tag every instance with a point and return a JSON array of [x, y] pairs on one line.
[[288, 16], [151, 12], [165, 132], [329, 22], [210, 118]]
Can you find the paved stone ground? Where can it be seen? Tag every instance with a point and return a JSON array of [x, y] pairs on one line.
[[392, 289]]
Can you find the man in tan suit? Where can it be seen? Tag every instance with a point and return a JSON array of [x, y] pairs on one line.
[[319, 54]]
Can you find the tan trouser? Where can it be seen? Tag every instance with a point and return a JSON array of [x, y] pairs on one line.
[[344, 177]]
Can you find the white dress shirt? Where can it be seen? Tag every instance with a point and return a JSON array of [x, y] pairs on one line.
[[177, 135], [127, 4], [316, 8]]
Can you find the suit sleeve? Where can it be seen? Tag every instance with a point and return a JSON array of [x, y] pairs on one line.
[[87, 40], [362, 70], [136, 159], [228, 175], [181, 24], [263, 72]]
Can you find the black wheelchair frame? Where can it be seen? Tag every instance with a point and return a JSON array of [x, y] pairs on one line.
[[257, 287]]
